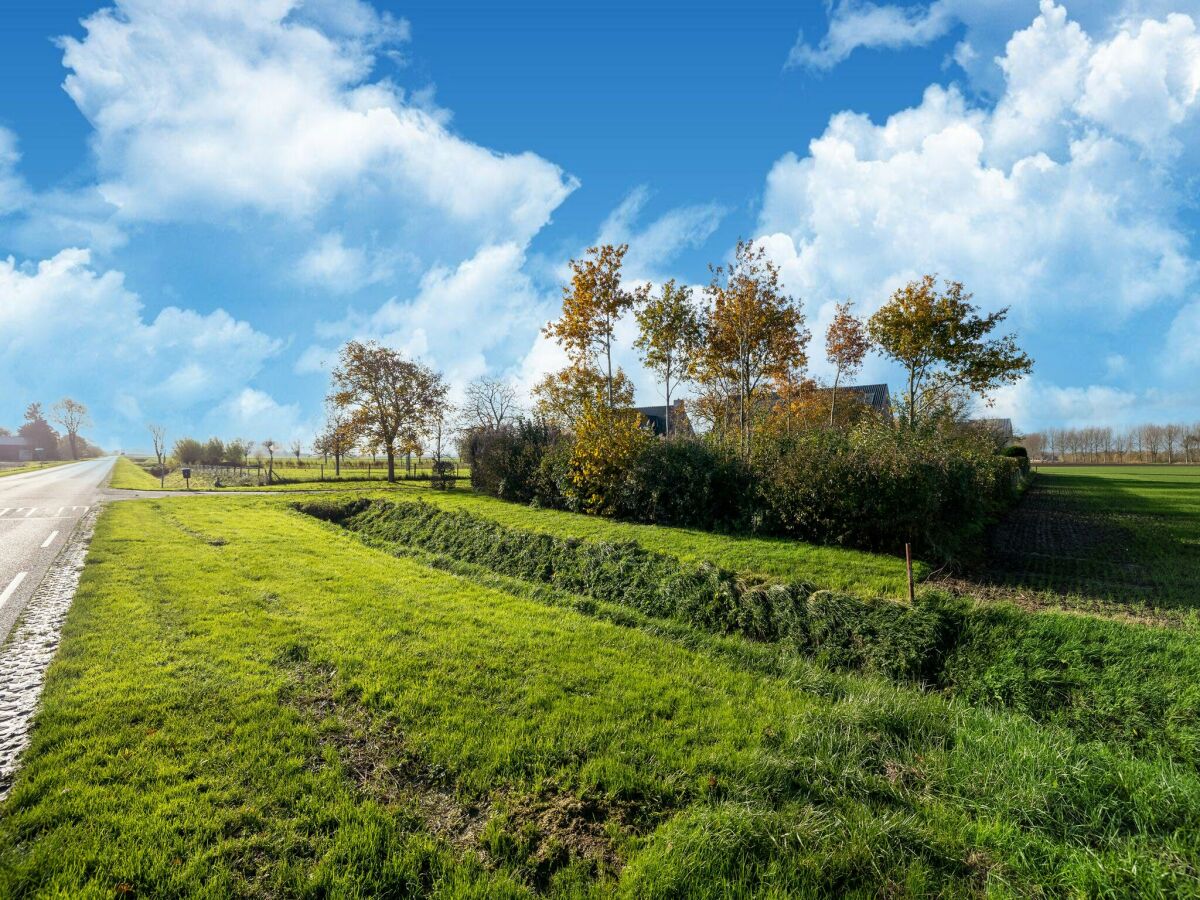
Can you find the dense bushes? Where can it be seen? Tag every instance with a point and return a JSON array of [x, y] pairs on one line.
[[878, 488], [875, 488], [506, 462], [1103, 680]]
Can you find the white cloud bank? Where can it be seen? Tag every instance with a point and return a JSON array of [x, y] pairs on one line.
[[1060, 200], [66, 328]]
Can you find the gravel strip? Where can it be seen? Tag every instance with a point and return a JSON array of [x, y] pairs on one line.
[[27, 654]]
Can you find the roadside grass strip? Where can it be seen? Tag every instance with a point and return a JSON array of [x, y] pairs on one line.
[[249, 702]]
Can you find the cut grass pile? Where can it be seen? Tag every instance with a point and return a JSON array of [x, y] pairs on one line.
[[248, 702], [1127, 535], [1104, 680]]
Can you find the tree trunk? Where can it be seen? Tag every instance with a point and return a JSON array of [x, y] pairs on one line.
[[833, 395], [71, 438], [337, 464], [391, 455]]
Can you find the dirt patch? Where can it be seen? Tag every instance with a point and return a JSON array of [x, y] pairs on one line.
[[532, 836]]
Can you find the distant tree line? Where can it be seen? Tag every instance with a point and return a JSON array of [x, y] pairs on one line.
[[47, 442], [1150, 443]]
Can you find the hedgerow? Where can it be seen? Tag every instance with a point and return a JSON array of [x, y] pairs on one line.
[[874, 488], [1104, 680]]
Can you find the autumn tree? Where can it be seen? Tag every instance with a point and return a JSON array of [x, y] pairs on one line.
[[158, 434], [669, 337], [390, 398], [560, 397], [944, 346], [846, 345], [593, 303], [340, 434], [754, 335], [607, 442], [490, 402]]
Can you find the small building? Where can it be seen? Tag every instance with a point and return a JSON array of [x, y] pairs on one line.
[[875, 397], [1000, 429], [15, 449], [656, 418]]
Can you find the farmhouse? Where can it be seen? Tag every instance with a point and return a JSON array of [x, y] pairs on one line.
[[15, 449], [874, 396], [656, 418]]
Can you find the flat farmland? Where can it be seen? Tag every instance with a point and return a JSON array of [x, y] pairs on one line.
[[1104, 537]]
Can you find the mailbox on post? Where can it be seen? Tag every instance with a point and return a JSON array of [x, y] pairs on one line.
[[187, 477]]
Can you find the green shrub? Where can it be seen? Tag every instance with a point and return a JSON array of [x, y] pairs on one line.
[[1124, 684], [879, 488], [506, 461], [688, 483]]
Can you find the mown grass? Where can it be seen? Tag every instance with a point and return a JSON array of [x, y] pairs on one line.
[[1106, 535], [1104, 680], [34, 467], [181, 749], [833, 568]]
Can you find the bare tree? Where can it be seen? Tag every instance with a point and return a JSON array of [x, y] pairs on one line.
[[270, 445], [158, 434], [72, 416], [297, 447], [490, 402]]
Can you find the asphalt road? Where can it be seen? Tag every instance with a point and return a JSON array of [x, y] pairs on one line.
[[38, 512]]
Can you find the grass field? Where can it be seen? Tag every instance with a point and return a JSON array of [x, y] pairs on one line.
[[33, 467], [248, 702], [835, 568], [1104, 535]]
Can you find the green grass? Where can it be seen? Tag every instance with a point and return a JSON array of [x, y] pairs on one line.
[[34, 467], [128, 475], [1128, 535], [833, 568], [248, 702]]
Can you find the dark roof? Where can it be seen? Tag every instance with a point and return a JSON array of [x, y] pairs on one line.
[[875, 396], [657, 415]]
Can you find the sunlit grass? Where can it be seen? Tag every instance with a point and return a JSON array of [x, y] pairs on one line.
[[172, 757]]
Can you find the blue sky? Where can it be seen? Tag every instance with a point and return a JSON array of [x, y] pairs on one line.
[[201, 199]]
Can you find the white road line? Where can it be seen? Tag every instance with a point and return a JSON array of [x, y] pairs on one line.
[[50, 540], [12, 587], [32, 510], [59, 513], [5, 511]]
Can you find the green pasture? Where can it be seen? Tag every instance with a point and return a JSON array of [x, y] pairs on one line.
[[251, 703]]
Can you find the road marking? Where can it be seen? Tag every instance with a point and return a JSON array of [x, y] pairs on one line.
[[32, 510], [12, 587], [59, 513], [50, 540], [5, 511]]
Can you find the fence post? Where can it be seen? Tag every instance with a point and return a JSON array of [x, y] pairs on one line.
[[912, 594]]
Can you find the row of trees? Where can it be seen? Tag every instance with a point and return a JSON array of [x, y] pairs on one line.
[[71, 416], [1149, 443], [744, 348]]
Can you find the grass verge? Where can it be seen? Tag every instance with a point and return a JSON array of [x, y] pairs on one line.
[[248, 703]]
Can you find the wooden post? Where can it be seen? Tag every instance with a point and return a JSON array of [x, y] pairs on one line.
[[912, 594]]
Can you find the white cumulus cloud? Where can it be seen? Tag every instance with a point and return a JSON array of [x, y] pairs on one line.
[[66, 328]]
